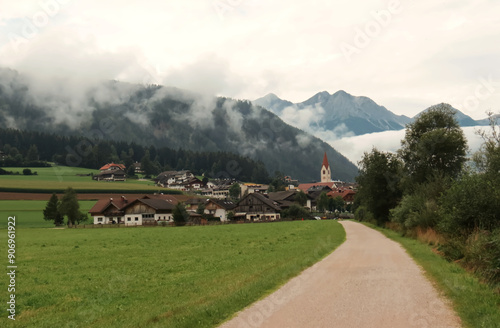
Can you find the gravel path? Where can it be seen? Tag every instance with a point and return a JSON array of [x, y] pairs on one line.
[[369, 281]]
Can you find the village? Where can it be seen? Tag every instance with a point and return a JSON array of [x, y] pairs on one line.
[[222, 200]]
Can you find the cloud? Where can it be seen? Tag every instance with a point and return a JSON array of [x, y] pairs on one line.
[[354, 147]]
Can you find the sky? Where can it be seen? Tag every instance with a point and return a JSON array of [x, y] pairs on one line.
[[405, 55]]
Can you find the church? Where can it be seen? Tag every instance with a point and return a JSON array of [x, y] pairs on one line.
[[326, 172], [326, 177]]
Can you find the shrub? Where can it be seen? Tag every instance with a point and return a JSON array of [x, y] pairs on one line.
[[296, 211], [482, 255], [362, 214]]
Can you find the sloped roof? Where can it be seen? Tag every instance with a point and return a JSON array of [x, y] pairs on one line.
[[224, 203], [169, 198], [306, 186], [110, 165], [281, 195], [103, 204], [265, 200], [110, 171], [157, 204]]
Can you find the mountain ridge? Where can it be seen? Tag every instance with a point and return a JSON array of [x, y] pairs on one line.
[[176, 118], [358, 114]]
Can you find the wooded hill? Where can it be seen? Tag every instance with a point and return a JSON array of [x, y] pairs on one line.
[[168, 117]]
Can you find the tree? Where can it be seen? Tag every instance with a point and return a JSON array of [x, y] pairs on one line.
[[278, 182], [230, 216], [295, 211], [201, 209], [322, 203], [70, 207], [434, 144], [379, 184], [32, 155], [179, 213], [235, 191], [336, 204], [27, 172], [51, 211], [487, 159], [301, 198]]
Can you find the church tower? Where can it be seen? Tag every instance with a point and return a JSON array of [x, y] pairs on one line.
[[326, 173]]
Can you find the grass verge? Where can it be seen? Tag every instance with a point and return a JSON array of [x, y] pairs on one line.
[[156, 277], [475, 303]]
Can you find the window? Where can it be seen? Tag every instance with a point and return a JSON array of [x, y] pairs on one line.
[[129, 219], [99, 219], [324, 171], [136, 218]]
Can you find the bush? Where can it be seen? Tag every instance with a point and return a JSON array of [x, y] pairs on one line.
[[296, 211], [362, 214], [479, 253]]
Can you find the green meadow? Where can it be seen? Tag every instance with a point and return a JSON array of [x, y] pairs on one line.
[[156, 277], [61, 177], [29, 213]]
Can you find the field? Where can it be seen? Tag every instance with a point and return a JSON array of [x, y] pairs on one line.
[[61, 177], [29, 213], [156, 277]]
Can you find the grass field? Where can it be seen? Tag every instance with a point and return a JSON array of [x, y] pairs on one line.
[[476, 304], [156, 277], [61, 177], [29, 213]]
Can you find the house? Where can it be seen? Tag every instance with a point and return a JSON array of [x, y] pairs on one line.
[[284, 198], [220, 189], [249, 188], [148, 211], [137, 211], [308, 187], [112, 166], [347, 195], [110, 175], [257, 207], [137, 168], [190, 184], [111, 172], [109, 211], [192, 204], [168, 178], [219, 208]]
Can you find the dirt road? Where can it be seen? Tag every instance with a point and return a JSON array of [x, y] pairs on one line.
[[369, 281]]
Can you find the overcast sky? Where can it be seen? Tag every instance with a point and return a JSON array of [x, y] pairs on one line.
[[406, 55]]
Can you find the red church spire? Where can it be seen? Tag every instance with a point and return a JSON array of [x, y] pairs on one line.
[[325, 162]]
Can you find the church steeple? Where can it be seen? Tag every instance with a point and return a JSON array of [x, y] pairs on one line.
[[326, 173]]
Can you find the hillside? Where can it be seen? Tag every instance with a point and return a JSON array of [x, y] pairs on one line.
[[168, 117], [360, 115]]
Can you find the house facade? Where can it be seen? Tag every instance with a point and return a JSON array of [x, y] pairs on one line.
[[257, 207], [219, 208], [134, 212]]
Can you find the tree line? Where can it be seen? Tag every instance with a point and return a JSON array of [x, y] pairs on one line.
[[32, 148], [430, 184]]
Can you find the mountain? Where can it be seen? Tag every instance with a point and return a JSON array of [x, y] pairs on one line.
[[351, 114], [166, 117], [358, 115], [273, 103]]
